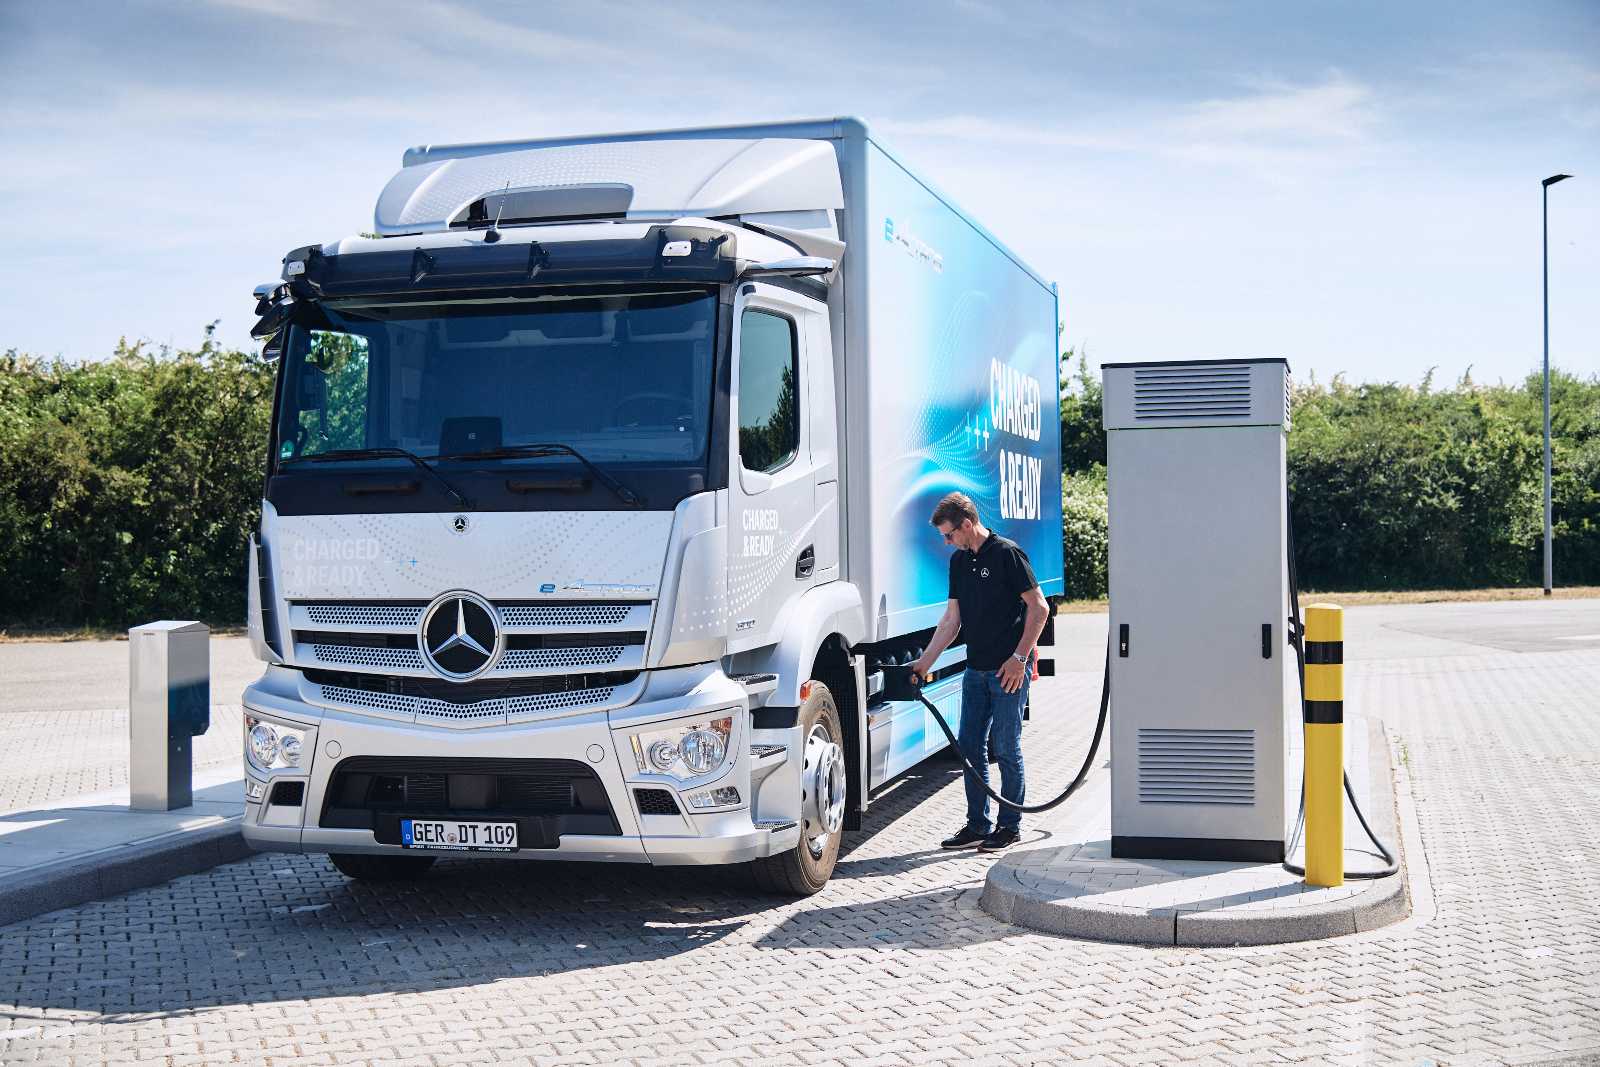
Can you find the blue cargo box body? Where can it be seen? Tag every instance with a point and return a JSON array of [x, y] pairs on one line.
[[958, 390]]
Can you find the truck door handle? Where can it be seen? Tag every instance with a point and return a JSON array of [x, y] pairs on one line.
[[806, 563]]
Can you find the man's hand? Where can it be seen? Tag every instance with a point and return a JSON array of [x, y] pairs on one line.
[[943, 634], [1011, 675]]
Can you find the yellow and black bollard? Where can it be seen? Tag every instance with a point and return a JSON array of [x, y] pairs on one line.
[[1324, 734]]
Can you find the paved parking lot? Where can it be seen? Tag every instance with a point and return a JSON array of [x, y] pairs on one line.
[[64, 717], [278, 959]]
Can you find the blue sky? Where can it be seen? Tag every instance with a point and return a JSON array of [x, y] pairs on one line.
[[1353, 186]]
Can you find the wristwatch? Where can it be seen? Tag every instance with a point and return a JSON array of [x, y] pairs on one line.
[[1020, 659]]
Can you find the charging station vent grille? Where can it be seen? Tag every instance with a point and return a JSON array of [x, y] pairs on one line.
[[1178, 766], [1192, 392]]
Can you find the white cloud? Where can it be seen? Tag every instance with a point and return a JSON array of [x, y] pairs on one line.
[[1334, 110], [442, 20], [439, 21], [301, 11], [1013, 132], [1272, 129], [1564, 84]]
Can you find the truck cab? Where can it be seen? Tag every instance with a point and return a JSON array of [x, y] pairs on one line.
[[569, 546]]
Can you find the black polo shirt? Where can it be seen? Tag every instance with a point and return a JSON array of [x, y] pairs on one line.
[[988, 585]]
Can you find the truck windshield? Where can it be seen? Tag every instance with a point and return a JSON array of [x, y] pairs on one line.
[[620, 378]]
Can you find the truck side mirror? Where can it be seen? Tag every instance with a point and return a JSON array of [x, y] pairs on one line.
[[274, 307]]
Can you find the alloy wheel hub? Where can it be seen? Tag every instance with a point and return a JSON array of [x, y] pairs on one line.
[[824, 783]]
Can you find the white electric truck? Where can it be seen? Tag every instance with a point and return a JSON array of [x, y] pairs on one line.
[[597, 495]]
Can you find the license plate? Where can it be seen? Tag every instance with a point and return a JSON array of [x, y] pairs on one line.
[[458, 836]]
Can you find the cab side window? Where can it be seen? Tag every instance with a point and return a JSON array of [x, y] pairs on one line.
[[769, 398], [332, 394]]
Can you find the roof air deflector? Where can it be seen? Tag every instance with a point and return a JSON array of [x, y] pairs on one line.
[[599, 200]]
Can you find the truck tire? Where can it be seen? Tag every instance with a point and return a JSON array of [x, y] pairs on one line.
[[806, 868], [380, 868]]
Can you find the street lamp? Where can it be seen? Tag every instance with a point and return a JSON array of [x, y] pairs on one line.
[[1545, 196]]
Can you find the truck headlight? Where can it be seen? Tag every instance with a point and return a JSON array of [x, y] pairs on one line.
[[691, 750], [272, 746], [703, 750]]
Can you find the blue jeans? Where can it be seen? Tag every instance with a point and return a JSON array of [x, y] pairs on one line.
[[983, 703]]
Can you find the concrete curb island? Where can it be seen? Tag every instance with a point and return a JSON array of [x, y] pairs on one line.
[[1064, 891], [120, 869]]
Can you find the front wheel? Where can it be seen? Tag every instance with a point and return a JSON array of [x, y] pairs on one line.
[[824, 779]]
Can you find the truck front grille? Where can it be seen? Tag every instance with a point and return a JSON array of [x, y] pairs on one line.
[[366, 616], [522, 659], [515, 616], [484, 702], [402, 659], [424, 792], [512, 661], [539, 638], [545, 797], [544, 615]]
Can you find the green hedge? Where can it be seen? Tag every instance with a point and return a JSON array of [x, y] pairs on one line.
[[1083, 532], [1399, 487], [129, 486]]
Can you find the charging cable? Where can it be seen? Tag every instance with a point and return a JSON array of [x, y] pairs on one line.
[[1297, 639], [909, 685]]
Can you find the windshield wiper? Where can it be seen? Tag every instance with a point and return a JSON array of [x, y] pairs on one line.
[[553, 448], [384, 453]]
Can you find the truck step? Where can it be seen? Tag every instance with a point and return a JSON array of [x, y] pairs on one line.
[[757, 684]]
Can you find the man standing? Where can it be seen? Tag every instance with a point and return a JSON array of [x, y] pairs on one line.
[[996, 605]]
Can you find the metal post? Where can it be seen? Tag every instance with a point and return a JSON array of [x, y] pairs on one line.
[[1545, 224], [1548, 511], [169, 704], [1324, 728]]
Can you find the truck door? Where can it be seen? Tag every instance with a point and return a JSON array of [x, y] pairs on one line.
[[772, 518]]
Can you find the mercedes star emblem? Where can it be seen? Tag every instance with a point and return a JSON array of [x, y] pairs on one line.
[[460, 636]]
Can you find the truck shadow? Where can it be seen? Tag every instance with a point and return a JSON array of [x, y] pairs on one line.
[[943, 918], [290, 927], [287, 927]]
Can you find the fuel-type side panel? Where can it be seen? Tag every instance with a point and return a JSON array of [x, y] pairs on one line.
[[960, 393]]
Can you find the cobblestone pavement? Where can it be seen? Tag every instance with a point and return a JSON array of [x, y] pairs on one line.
[[278, 959], [64, 717], [53, 756]]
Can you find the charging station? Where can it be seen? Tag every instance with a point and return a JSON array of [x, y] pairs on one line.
[[1203, 699]]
